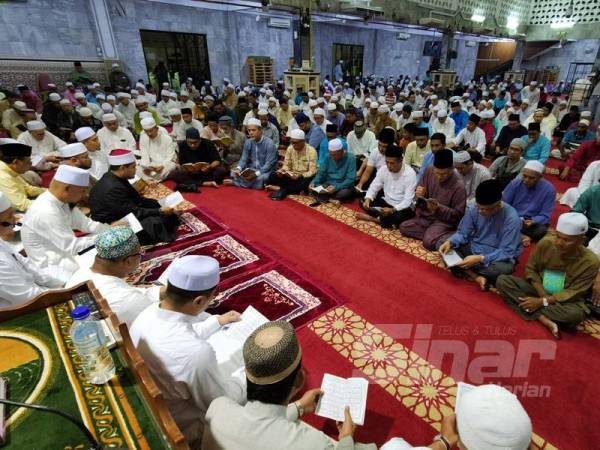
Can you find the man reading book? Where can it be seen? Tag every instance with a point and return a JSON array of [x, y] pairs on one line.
[[200, 161]]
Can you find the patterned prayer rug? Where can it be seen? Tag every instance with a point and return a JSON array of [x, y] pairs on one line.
[[40, 365], [234, 258], [416, 384], [278, 293]]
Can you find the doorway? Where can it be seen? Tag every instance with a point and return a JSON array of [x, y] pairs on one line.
[[352, 57], [173, 57]]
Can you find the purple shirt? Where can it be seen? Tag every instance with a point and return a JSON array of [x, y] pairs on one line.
[[536, 203], [450, 194]]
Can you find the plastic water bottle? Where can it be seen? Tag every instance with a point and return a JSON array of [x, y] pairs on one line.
[[90, 342]]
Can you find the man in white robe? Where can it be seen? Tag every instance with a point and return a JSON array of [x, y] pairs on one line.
[[158, 152], [20, 279], [126, 107], [48, 226], [163, 107], [590, 177], [89, 138], [172, 336], [113, 136], [41, 141]]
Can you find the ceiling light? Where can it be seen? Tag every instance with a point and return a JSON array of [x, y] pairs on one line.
[[560, 25], [478, 18]]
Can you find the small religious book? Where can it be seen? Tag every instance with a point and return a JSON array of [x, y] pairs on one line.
[[172, 200], [248, 174], [451, 258], [341, 392], [37, 160], [319, 189], [226, 141], [376, 209], [198, 165], [134, 223]]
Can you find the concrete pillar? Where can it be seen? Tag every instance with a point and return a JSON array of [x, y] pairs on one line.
[[104, 29], [445, 59], [518, 58]]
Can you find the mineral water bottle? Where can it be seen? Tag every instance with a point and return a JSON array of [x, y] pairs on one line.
[[90, 342]]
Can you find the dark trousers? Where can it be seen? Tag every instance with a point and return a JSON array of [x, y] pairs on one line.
[[217, 175], [391, 220], [536, 231], [158, 229], [343, 195], [492, 271], [289, 186]]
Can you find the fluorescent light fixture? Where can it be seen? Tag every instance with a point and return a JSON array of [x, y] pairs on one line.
[[560, 25], [478, 18], [512, 23]]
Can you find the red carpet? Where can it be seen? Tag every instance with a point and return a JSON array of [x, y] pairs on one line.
[[428, 311]]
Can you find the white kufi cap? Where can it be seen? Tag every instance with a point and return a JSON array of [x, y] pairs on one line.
[[572, 224], [148, 123], [70, 150], [35, 125], [298, 134], [253, 122], [72, 175], [83, 133], [534, 165], [194, 273], [335, 145]]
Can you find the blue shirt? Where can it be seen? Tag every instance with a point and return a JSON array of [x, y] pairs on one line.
[[460, 120], [337, 120], [314, 136], [571, 137], [499, 103], [339, 174], [261, 156], [323, 149], [496, 238], [427, 161], [91, 98], [539, 150], [536, 203]]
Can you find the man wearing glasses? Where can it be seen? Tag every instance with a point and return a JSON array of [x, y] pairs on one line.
[[488, 238]]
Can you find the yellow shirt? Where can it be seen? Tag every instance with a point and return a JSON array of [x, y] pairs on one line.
[[303, 162], [16, 188], [413, 156]]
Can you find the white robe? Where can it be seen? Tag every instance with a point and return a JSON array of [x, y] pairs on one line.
[[48, 236], [160, 151], [446, 128], [49, 146], [99, 163], [111, 140], [590, 177], [21, 280], [126, 301], [183, 364], [128, 111], [162, 109]]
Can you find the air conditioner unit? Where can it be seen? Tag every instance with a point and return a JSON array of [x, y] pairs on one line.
[[402, 36], [470, 44], [275, 22], [431, 22]]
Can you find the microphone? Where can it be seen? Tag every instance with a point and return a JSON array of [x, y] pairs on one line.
[[95, 445]]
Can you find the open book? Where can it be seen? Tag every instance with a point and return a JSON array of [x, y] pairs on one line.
[[197, 165], [451, 258], [248, 174], [225, 141], [341, 392], [319, 189], [172, 200], [134, 223], [229, 340]]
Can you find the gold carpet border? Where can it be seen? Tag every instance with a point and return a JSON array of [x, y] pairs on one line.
[[407, 245], [419, 386]]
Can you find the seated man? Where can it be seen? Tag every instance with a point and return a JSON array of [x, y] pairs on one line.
[[15, 160], [335, 179], [506, 168], [415, 151], [90, 140], [587, 153], [488, 237], [471, 137], [591, 177], [361, 142], [537, 146], [75, 155], [437, 142], [558, 275], [471, 172], [49, 224], [269, 130], [230, 152], [196, 150], [376, 159], [534, 198], [573, 139], [259, 158], [20, 279], [118, 255], [508, 133], [112, 136], [441, 202], [314, 135], [299, 168], [331, 132], [41, 141], [113, 197], [390, 196], [171, 337], [211, 131], [269, 421], [589, 205], [158, 152]]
